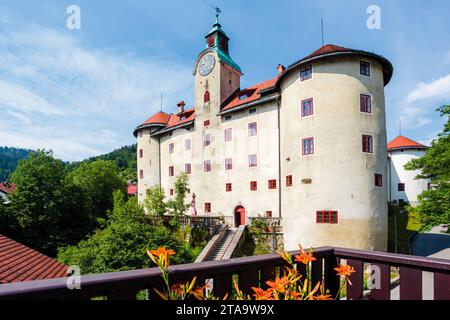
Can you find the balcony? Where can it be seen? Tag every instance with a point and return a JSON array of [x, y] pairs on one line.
[[417, 278]]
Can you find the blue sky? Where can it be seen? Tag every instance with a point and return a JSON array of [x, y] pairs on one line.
[[82, 92]]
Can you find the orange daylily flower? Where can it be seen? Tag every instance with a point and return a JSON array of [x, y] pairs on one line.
[[260, 294], [345, 271], [305, 257], [161, 256], [162, 251], [323, 297], [279, 284]]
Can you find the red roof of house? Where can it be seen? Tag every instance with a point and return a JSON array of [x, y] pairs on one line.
[[7, 187], [19, 263], [253, 93], [402, 142], [158, 118], [180, 118], [132, 189]]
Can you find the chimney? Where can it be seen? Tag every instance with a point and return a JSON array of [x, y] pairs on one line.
[[181, 105], [280, 68]]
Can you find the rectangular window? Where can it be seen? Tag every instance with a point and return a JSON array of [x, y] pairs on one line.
[[187, 168], [306, 73], [272, 184], [172, 192], [429, 186], [401, 187], [268, 214], [228, 118], [252, 160], [365, 103], [171, 171], [307, 146], [187, 144], [378, 180], [140, 134], [252, 111], [252, 129], [141, 153], [206, 140], [228, 163], [228, 187], [228, 134], [206, 123], [289, 181], [327, 217], [141, 174], [364, 68], [211, 41], [207, 165], [171, 148], [307, 107], [207, 207], [367, 143], [253, 185]]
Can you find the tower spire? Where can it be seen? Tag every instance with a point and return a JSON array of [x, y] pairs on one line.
[[218, 12]]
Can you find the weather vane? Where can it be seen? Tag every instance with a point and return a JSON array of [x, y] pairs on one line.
[[218, 12]]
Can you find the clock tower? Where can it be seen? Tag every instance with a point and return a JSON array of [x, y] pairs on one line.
[[217, 76]]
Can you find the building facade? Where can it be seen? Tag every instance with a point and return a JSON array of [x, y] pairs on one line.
[[307, 145], [403, 187]]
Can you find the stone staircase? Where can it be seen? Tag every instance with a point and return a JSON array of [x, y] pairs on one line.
[[221, 248]]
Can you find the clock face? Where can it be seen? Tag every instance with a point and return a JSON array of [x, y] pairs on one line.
[[206, 65]]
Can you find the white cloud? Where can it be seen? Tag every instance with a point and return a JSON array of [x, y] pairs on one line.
[[436, 89], [56, 93]]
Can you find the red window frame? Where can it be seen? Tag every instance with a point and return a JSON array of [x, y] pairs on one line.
[[367, 143], [252, 160], [207, 207], [272, 184], [327, 216], [188, 168], [365, 103], [228, 163], [224, 44], [269, 214], [308, 149], [289, 181], [306, 72], [228, 187], [228, 134], [252, 129], [253, 185], [378, 180], [307, 110], [141, 174], [206, 123], [401, 187], [211, 41], [141, 153], [207, 166], [206, 140], [206, 96], [171, 171]]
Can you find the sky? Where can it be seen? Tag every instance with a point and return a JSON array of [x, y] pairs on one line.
[[81, 92]]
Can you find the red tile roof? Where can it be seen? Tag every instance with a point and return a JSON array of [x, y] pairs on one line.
[[19, 263], [7, 187], [402, 142], [253, 93], [132, 189], [158, 118], [328, 48], [184, 117]]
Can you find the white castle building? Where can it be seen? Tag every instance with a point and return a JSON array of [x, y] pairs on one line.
[[403, 185], [308, 145]]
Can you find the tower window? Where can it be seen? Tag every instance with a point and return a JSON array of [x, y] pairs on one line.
[[206, 140], [188, 168], [207, 207], [171, 171], [141, 153], [365, 103], [252, 160], [307, 146], [289, 181], [211, 41], [252, 129], [228, 187], [268, 214], [206, 123], [140, 134], [172, 192], [187, 144], [141, 174], [228, 163], [207, 96], [401, 187], [207, 166], [171, 148], [306, 73], [224, 44], [307, 107], [327, 217], [378, 180], [364, 68], [228, 134], [253, 185], [228, 118], [272, 184], [252, 111], [367, 143]]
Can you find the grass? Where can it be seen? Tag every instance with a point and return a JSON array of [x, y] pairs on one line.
[[407, 225]]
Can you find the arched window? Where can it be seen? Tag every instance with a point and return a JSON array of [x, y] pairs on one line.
[[207, 96]]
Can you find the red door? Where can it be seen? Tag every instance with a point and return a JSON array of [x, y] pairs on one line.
[[239, 216]]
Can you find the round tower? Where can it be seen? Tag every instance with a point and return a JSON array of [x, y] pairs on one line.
[[333, 149]]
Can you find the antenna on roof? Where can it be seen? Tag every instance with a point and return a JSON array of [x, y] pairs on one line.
[[161, 102], [321, 23], [400, 127]]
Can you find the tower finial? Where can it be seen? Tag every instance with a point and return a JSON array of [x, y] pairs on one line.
[[218, 12]]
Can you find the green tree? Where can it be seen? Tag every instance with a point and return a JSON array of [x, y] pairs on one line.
[[434, 204], [98, 180], [122, 244], [178, 206], [46, 208], [155, 201]]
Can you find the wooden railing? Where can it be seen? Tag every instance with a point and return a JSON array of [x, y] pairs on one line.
[[254, 271]]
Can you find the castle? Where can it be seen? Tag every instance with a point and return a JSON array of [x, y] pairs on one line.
[[308, 146]]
